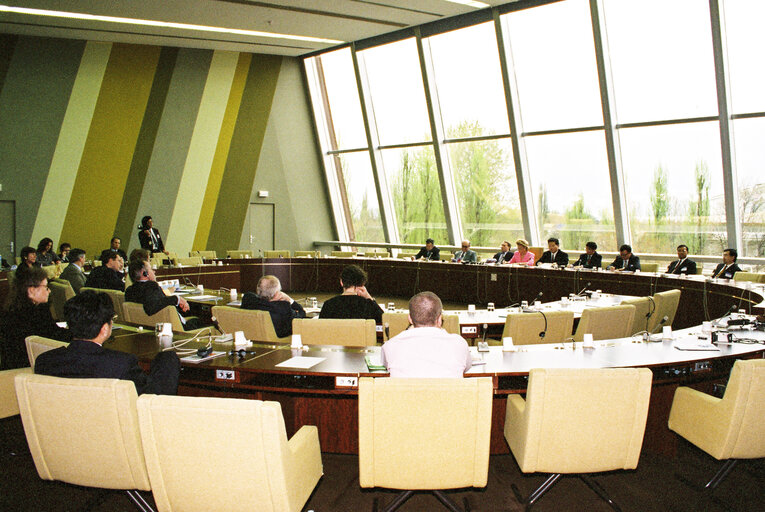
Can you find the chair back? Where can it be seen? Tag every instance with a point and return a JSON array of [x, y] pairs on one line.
[[537, 251], [205, 453], [525, 327], [666, 305], [239, 254], [308, 254], [279, 253], [649, 267], [406, 255], [118, 298], [204, 254], [343, 254], [399, 322], [333, 331], [190, 260], [60, 292], [644, 306], [36, 345], [752, 277], [172, 256], [606, 323], [52, 271], [9, 404], [83, 431], [135, 314], [579, 420], [376, 252], [700, 268], [417, 434], [256, 325]]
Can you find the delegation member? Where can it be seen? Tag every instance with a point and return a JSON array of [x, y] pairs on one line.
[[553, 254], [269, 297], [429, 252], [522, 255], [626, 261], [465, 255], [355, 301], [728, 268], [683, 264], [590, 258], [149, 236]]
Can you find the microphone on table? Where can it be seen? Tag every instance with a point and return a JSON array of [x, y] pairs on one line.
[[660, 324], [544, 331], [730, 310], [485, 331], [539, 296], [386, 326], [583, 289]]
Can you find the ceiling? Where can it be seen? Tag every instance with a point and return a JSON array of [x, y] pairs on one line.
[[336, 21]]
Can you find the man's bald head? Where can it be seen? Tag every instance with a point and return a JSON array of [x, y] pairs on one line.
[[425, 310]]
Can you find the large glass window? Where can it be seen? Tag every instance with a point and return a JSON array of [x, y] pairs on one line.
[[673, 180], [746, 45], [360, 196], [750, 167], [572, 189], [554, 58], [661, 59]]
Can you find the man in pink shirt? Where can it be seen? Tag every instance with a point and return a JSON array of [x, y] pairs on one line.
[[425, 349]]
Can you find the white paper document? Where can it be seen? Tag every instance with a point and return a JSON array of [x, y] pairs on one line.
[[303, 362]]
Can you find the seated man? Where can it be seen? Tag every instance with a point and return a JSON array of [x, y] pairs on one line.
[[683, 264], [465, 255], [554, 254], [429, 252], [504, 255], [427, 350], [728, 268], [355, 302], [626, 261], [269, 297], [89, 316], [146, 291], [73, 272], [590, 258], [108, 276], [114, 248]]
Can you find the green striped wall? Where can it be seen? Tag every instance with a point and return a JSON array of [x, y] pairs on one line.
[[95, 135]]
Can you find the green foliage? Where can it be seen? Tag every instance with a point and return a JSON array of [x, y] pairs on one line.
[[698, 209], [544, 208], [660, 196], [417, 198]]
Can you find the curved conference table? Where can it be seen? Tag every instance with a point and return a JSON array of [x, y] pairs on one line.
[[325, 394]]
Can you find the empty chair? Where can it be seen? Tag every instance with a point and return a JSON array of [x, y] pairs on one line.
[[576, 421], [700, 268], [406, 255], [752, 277], [36, 345], [343, 254], [256, 325], [172, 257], [280, 253], [525, 328], [60, 292], [118, 298], [9, 404], [241, 461], [104, 446], [728, 428], [239, 254], [424, 435], [538, 251], [331, 331], [606, 323], [190, 260], [308, 254], [376, 252], [204, 254], [666, 305], [649, 267], [644, 311], [395, 323], [135, 314]]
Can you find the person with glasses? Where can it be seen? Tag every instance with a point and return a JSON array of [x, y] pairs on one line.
[[26, 313], [465, 255]]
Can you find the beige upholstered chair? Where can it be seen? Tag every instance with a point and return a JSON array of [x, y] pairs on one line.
[[700, 268], [279, 253], [308, 254], [666, 305], [239, 254], [649, 267], [526, 327], [376, 252], [728, 428], [190, 261], [53, 271], [135, 314], [104, 446], [257, 325], [332, 331], [424, 435], [644, 308], [36, 345], [204, 254], [406, 255], [60, 292], [752, 277], [606, 323], [226, 454], [537, 251], [118, 298], [9, 405], [578, 421], [343, 254], [395, 323]]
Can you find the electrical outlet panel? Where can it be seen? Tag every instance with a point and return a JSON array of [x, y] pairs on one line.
[[469, 329], [346, 382], [225, 375]]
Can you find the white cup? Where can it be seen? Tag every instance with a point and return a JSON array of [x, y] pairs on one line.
[[233, 293], [297, 341], [666, 333], [201, 288], [507, 344], [587, 341], [706, 327], [538, 304], [471, 308]]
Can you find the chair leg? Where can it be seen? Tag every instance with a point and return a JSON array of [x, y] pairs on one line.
[[398, 501], [595, 486], [534, 496], [447, 501], [721, 474], [139, 501]]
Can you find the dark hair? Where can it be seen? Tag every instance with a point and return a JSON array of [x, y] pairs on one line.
[[76, 254], [424, 309], [44, 243], [26, 251], [429, 241], [682, 245], [63, 246], [136, 269], [109, 256], [732, 252], [557, 242], [591, 245], [625, 247], [139, 255], [353, 275], [115, 238], [144, 220], [87, 312], [24, 278]]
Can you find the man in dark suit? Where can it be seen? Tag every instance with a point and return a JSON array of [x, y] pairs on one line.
[[109, 275], [269, 297], [728, 268], [554, 254], [504, 255], [146, 291], [149, 236], [626, 261], [590, 258], [89, 316], [114, 248], [683, 264], [73, 272], [429, 252]]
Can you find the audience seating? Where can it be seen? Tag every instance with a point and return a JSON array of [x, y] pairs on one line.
[[53, 271], [239, 254], [308, 254], [256, 325], [424, 435], [84, 432], [280, 253], [36, 345], [118, 298], [375, 252], [649, 267], [331, 331], [728, 428], [525, 328], [406, 255], [606, 323], [752, 277], [666, 305], [644, 311], [208, 255], [576, 421], [343, 254], [190, 261], [60, 292], [395, 323], [135, 314], [226, 454], [9, 404]]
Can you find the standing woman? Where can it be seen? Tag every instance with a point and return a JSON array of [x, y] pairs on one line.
[[522, 255], [149, 236], [27, 313], [45, 253]]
